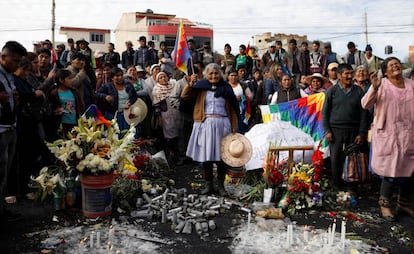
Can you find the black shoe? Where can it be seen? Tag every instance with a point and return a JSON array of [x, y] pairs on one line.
[[180, 161], [222, 191], [208, 188]]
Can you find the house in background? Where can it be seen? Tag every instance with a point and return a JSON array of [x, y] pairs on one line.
[[158, 27], [97, 38], [265, 40]]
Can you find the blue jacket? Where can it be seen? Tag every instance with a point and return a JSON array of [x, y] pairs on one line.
[[110, 89]]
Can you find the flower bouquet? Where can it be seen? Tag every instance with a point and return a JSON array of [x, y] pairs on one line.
[[273, 177], [93, 148], [303, 186]]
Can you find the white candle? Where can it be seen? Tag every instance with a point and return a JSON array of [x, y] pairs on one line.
[[343, 232], [289, 234], [306, 234], [333, 232], [109, 247], [98, 239], [111, 234], [91, 240], [81, 247]]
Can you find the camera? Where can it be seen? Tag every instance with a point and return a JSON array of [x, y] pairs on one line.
[[352, 148]]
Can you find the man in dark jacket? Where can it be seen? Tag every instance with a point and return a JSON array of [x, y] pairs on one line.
[[11, 55]]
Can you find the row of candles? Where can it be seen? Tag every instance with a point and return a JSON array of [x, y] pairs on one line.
[[92, 245], [329, 237]]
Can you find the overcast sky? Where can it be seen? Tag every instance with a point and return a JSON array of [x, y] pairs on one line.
[[234, 21]]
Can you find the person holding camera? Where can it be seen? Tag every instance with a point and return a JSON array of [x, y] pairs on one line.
[[344, 121], [392, 135]]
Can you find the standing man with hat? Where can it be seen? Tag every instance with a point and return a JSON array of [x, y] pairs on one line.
[[332, 75], [82, 46]]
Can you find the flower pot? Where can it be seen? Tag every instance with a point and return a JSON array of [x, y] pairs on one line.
[[97, 195]]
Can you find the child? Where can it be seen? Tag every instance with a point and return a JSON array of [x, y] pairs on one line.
[[66, 103]]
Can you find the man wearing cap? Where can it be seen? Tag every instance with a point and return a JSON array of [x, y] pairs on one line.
[[332, 75], [128, 55], [271, 56], [373, 62], [354, 57], [67, 54], [82, 46]]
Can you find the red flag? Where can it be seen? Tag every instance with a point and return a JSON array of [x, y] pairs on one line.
[[248, 49]]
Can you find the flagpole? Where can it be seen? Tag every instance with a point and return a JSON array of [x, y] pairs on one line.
[[192, 65]]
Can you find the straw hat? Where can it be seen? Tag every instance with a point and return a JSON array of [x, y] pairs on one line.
[[136, 113], [316, 75], [236, 150]]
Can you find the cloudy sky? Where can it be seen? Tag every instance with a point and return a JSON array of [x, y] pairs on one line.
[[234, 21]]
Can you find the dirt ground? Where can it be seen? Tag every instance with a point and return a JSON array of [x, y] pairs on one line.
[[14, 237]]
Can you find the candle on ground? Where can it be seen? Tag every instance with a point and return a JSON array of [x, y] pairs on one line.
[[98, 239]]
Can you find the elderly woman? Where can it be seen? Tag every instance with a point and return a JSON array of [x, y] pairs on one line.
[[116, 96], [167, 111], [288, 91], [215, 115], [392, 135], [361, 78], [316, 82]]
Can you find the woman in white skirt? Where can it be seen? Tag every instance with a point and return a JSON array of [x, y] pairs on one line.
[[215, 115]]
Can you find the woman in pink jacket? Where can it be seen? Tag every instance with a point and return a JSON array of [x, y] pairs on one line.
[[392, 135]]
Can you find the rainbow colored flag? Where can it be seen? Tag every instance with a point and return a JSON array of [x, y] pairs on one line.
[[304, 113], [181, 53]]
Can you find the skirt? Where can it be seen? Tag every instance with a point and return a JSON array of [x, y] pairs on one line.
[[205, 139]]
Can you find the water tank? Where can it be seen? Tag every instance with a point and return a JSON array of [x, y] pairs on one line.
[[388, 49]]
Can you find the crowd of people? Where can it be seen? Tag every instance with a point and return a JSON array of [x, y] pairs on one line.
[[44, 92]]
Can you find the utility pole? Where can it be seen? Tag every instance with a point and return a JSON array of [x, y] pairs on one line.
[[53, 21], [366, 29]]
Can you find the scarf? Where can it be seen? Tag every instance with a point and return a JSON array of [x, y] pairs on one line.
[[223, 89]]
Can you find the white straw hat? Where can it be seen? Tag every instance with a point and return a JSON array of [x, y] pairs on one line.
[[136, 112], [236, 150]]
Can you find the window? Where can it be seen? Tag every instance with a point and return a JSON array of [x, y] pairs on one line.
[[155, 37], [98, 38], [156, 22]]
